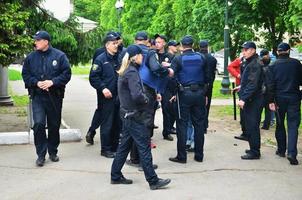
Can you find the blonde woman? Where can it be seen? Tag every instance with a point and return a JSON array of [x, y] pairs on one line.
[[133, 102]]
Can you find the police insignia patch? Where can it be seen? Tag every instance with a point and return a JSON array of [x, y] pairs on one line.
[[54, 63], [94, 67]]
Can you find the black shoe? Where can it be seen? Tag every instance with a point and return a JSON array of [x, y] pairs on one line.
[[131, 163], [108, 154], [160, 184], [173, 130], [89, 137], [140, 168], [190, 149], [292, 160], [155, 127], [241, 137], [280, 154], [265, 127], [122, 180], [198, 159], [40, 162], [250, 156], [177, 160], [247, 151], [168, 137], [54, 158]]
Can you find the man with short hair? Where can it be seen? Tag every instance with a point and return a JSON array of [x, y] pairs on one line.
[[285, 99], [192, 74], [103, 77], [46, 71], [251, 99]]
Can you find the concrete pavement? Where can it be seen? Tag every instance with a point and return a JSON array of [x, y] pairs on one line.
[[83, 174]]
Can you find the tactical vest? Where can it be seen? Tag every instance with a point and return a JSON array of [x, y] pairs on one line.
[[192, 70], [150, 79]]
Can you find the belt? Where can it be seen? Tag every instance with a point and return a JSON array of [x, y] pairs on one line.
[[193, 87]]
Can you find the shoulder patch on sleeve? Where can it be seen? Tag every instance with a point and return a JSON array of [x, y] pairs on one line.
[[95, 67]]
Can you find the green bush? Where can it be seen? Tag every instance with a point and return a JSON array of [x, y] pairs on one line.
[[14, 75]]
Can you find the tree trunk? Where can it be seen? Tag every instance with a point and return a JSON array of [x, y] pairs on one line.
[[5, 99]]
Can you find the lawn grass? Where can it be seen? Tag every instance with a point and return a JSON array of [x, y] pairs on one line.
[[81, 70], [21, 100], [216, 91], [14, 75]]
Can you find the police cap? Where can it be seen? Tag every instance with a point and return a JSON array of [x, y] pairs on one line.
[[264, 52], [110, 37], [203, 44], [142, 35], [133, 50], [173, 43], [249, 45], [187, 40], [42, 35], [283, 47]]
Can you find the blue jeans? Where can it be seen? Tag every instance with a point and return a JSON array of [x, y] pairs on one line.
[[137, 132], [46, 107], [290, 107]]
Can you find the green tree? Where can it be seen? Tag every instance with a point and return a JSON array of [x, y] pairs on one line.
[[90, 9], [163, 20], [296, 10]]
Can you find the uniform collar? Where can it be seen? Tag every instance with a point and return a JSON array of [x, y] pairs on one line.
[[252, 57]]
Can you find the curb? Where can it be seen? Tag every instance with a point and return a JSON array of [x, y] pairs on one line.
[[10, 138]]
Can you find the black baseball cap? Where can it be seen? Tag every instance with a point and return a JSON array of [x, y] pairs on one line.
[[133, 50], [283, 47], [110, 37], [264, 52], [187, 40], [203, 44], [157, 35], [142, 35], [249, 45], [173, 43], [115, 34], [42, 35]]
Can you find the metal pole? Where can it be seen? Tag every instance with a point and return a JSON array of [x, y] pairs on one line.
[[225, 80]]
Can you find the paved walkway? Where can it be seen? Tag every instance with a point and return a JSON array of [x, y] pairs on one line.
[[83, 174]]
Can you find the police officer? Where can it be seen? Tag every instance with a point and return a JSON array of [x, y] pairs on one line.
[[103, 78], [251, 99], [212, 67], [192, 74], [167, 104], [285, 98], [134, 112], [96, 121], [45, 72]]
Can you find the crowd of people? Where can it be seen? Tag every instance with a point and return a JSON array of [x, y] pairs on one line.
[[131, 81]]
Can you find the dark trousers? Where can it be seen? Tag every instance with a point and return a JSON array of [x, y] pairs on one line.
[[252, 117], [107, 117], [134, 131], [169, 114], [209, 95], [290, 107], [268, 114], [150, 114], [46, 107], [192, 104]]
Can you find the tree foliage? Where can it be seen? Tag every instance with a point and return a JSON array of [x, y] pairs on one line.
[[89, 9]]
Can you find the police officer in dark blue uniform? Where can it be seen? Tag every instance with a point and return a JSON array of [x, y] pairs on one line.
[[251, 99], [192, 74], [212, 67], [103, 78], [96, 121], [167, 105], [134, 112], [45, 72], [285, 98]]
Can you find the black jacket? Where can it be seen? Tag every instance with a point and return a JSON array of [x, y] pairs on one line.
[[49, 65], [285, 77], [130, 90], [103, 73], [251, 79]]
